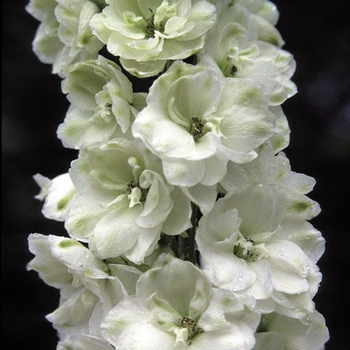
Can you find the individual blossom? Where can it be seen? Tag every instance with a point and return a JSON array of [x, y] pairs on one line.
[[175, 307], [145, 34], [288, 300], [264, 15], [277, 332], [123, 202], [103, 104], [195, 132], [234, 44], [261, 256], [256, 242], [64, 35], [87, 289]]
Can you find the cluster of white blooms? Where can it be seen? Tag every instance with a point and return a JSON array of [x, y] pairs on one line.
[[186, 227]]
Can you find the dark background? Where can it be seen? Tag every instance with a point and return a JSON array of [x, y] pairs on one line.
[[316, 32]]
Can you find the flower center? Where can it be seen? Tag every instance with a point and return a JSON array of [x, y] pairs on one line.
[[151, 26], [190, 324], [197, 128], [140, 193], [247, 249], [228, 68], [233, 70]]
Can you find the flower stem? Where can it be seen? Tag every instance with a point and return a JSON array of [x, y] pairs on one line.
[[191, 243]]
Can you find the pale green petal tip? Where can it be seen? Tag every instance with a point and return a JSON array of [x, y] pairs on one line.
[[68, 243]]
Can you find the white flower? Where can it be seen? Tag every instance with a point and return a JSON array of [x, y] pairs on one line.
[[87, 289], [175, 307], [277, 332], [250, 245], [145, 33], [264, 15], [64, 35], [123, 201], [196, 120], [103, 103], [233, 43], [250, 256]]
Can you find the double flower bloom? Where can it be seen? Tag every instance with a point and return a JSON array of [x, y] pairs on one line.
[[210, 129]]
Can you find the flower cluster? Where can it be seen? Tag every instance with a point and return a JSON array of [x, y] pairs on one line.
[[186, 227]]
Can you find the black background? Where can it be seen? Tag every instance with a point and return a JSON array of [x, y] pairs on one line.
[[316, 32]]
